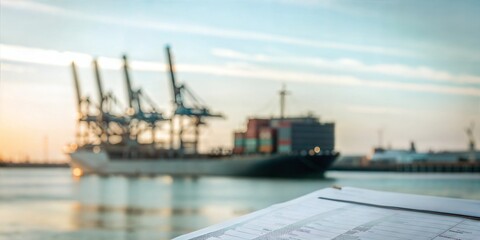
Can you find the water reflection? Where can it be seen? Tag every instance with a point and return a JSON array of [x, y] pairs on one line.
[[164, 207], [146, 207], [134, 208], [47, 204], [125, 194]]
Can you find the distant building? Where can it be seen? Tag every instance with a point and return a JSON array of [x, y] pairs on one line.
[[453, 156]]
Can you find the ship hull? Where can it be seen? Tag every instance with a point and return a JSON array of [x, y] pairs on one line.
[[275, 165]]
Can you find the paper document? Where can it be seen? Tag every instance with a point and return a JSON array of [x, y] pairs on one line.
[[407, 201], [351, 214]]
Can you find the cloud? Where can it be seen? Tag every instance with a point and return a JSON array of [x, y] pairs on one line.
[[65, 58], [32, 6], [346, 64], [329, 79], [42, 56], [17, 68], [58, 58], [203, 30]]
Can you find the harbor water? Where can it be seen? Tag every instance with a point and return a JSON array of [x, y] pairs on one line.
[[51, 204]]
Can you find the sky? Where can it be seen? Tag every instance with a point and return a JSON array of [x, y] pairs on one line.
[[409, 69]]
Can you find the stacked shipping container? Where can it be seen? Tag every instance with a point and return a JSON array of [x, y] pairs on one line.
[[287, 135], [239, 143], [267, 138], [252, 134], [284, 137]]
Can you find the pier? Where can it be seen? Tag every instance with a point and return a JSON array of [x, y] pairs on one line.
[[413, 167]]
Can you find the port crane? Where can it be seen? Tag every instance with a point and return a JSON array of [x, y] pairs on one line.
[[196, 111], [86, 121], [144, 118], [103, 125], [135, 99], [98, 124], [112, 125]]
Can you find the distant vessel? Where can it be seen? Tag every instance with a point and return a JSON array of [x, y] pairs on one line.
[[129, 143], [398, 156], [410, 160]]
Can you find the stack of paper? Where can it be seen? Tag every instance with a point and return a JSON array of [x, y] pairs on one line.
[[352, 213]]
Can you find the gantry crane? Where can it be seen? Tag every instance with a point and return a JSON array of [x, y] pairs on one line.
[[112, 124], [100, 125], [85, 119], [197, 111], [136, 110], [135, 99]]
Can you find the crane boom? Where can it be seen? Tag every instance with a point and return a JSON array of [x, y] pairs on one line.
[[177, 95], [99, 84], [77, 86], [128, 83]]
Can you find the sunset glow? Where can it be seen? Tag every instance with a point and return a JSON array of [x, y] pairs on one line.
[[415, 86]]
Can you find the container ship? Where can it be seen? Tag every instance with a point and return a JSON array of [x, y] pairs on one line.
[[112, 141]]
